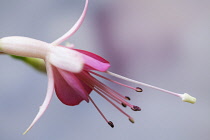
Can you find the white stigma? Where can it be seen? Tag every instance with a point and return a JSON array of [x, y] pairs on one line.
[[187, 98]]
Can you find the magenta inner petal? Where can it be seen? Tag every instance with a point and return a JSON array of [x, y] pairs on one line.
[[93, 61], [69, 89]]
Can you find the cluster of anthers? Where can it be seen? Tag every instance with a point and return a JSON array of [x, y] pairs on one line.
[[70, 72], [108, 93]]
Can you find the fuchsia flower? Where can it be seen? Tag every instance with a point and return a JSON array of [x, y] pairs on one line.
[[70, 72]]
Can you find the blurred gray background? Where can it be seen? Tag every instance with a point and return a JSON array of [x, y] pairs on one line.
[[161, 42]]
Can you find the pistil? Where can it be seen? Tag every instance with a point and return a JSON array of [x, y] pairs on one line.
[[185, 97]]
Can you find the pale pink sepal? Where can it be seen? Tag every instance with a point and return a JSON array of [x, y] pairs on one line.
[[66, 59], [48, 97], [93, 61], [69, 89], [24, 46], [73, 29]]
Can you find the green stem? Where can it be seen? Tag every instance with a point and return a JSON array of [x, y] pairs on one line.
[[36, 63]]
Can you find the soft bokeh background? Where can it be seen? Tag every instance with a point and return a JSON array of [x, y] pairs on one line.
[[165, 43]]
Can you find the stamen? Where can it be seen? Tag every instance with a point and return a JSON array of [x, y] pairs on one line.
[[110, 93], [106, 90], [113, 81], [131, 120], [97, 85], [136, 108], [107, 93], [127, 98], [98, 110], [124, 105], [109, 90], [182, 96], [113, 104], [111, 124], [138, 89]]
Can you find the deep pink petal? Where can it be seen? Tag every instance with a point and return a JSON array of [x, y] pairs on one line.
[[69, 89], [73, 81], [93, 61]]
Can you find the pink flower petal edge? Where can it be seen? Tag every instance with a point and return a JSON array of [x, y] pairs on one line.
[[93, 61]]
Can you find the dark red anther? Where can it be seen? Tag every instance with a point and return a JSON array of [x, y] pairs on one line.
[[136, 108], [138, 89], [128, 98], [123, 104], [111, 124]]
